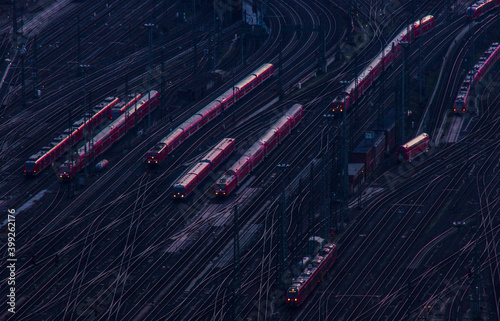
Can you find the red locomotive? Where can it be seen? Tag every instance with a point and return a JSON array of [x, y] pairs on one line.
[[162, 149], [312, 275], [482, 7], [109, 135], [254, 155], [61, 144], [199, 171], [474, 76], [382, 60], [413, 148]]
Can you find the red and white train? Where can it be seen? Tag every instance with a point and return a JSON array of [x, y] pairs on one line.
[[122, 106], [162, 149], [474, 76], [61, 144], [200, 170], [481, 8], [109, 135], [413, 148], [255, 154], [381, 62], [312, 275]]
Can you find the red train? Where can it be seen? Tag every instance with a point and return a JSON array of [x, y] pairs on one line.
[[382, 60], [110, 134], [413, 148], [162, 149], [312, 275], [487, 60], [61, 144], [254, 155], [199, 171], [122, 106], [482, 7]]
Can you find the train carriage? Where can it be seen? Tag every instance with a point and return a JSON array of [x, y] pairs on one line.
[[295, 113], [269, 140], [413, 148], [245, 86], [255, 154], [282, 127]]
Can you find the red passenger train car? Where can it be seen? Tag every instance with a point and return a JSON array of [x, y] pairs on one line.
[[384, 59], [200, 170], [256, 153], [481, 8], [302, 286], [413, 148], [108, 136], [162, 149], [70, 137]]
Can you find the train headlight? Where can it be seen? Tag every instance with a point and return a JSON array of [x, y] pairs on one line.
[[295, 299]]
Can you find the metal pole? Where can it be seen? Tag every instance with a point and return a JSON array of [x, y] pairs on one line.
[[150, 26], [344, 177], [85, 115], [236, 250]]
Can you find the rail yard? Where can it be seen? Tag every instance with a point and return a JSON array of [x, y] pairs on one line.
[[249, 160]]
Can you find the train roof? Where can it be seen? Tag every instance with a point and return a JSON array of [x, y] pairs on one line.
[[239, 164], [208, 108], [294, 110], [228, 94], [218, 149], [245, 81], [198, 168], [416, 140], [281, 122], [262, 69], [193, 120], [226, 177], [172, 136], [184, 180], [258, 145], [224, 143], [268, 135]]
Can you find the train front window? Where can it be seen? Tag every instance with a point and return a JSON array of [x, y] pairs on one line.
[[178, 190], [220, 187], [30, 166], [292, 293]]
